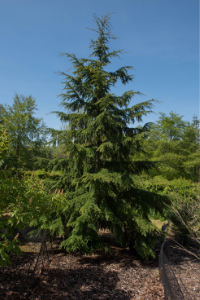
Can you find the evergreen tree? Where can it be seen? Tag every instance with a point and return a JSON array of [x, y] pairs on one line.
[[97, 175]]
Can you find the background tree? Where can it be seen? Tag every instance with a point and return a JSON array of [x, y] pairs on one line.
[[2, 111], [97, 175], [173, 142], [3, 144], [25, 132], [190, 144], [58, 149]]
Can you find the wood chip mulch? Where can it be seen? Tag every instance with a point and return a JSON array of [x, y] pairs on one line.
[[185, 267], [101, 276]]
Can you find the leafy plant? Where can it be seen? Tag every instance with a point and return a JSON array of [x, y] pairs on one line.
[[27, 134], [173, 143]]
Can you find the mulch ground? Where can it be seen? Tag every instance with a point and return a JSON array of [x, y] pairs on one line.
[[185, 267], [120, 275]]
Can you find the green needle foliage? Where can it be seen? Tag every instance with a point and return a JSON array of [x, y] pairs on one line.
[[97, 172]]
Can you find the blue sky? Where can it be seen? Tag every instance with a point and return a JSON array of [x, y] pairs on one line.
[[162, 37]]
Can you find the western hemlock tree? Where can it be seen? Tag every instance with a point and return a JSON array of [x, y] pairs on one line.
[[99, 186]]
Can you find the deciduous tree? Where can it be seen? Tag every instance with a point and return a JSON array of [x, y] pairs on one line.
[[175, 143], [25, 132]]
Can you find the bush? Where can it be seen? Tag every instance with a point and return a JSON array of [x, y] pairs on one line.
[[181, 187], [24, 203]]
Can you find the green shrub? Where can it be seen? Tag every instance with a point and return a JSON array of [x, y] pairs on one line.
[[24, 203], [41, 174], [160, 185]]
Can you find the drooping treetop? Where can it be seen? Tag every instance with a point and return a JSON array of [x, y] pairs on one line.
[[98, 172]]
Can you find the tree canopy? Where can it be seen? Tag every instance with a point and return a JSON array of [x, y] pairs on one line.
[[175, 143], [25, 132]]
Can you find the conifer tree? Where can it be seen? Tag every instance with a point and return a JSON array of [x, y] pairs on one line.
[[98, 174]]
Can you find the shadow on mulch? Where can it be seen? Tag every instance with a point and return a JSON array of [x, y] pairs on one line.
[[71, 276], [75, 276], [124, 257], [13, 278], [63, 283], [84, 283]]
